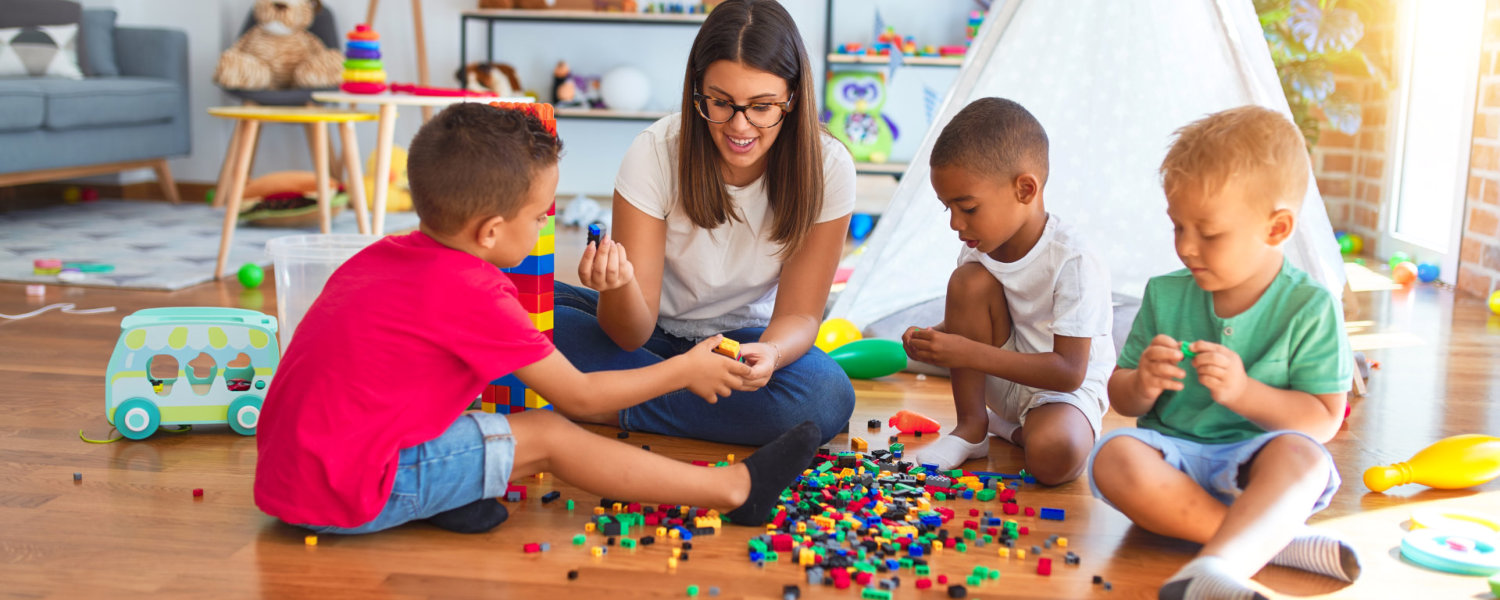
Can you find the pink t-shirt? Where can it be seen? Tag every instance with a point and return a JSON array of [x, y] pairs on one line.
[[403, 338]]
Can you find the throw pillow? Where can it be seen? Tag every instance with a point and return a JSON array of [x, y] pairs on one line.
[[40, 51], [96, 51]]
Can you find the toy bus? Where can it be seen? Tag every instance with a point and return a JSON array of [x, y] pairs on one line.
[[190, 366]]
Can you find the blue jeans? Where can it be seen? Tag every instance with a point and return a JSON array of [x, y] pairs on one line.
[[813, 388], [471, 460]]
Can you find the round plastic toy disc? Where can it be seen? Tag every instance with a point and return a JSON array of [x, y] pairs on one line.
[[1452, 552], [1466, 522]]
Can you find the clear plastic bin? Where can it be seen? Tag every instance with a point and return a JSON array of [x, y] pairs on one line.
[[303, 263]]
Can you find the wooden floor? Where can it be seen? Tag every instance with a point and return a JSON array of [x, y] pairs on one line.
[[132, 528]]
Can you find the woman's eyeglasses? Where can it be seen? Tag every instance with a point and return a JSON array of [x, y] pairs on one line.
[[759, 114]]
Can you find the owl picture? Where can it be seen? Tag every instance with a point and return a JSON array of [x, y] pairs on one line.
[[853, 113]]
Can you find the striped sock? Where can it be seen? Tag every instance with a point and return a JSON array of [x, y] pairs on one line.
[[1205, 578], [1320, 553]]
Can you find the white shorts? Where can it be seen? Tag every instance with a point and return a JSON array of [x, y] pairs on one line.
[[1012, 401]]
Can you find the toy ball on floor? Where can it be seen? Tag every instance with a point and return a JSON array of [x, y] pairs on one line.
[[1397, 258], [868, 359], [251, 275], [1346, 244], [1357, 241], [1404, 273], [1495, 302], [1428, 272], [836, 332], [625, 88]]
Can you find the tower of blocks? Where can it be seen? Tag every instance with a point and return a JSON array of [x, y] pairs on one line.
[[533, 280]]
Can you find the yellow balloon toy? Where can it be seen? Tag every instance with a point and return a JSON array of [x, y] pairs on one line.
[[836, 332]]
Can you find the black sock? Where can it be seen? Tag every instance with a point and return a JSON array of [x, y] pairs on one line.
[[478, 516], [772, 469]]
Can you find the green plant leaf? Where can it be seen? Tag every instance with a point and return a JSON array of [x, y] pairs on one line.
[[1323, 29], [1343, 113], [1309, 79]]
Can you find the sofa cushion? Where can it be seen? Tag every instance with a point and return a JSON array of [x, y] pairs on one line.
[[39, 38], [23, 104], [72, 104], [96, 54]]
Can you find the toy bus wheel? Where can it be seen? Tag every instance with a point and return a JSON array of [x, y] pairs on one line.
[[137, 418], [244, 415]]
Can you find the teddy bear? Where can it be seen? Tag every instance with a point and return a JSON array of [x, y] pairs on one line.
[[279, 52]]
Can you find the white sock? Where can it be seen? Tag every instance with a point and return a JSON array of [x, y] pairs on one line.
[[950, 451], [1322, 553], [1205, 578], [1002, 428]]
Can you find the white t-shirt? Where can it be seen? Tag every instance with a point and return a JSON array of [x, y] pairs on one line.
[[725, 278], [1058, 288]]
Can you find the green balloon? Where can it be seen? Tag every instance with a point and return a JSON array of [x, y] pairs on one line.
[[1346, 244], [1396, 259], [871, 358]]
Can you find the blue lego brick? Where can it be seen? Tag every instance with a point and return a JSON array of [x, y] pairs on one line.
[[915, 550], [968, 494], [1052, 514], [510, 381], [533, 265]]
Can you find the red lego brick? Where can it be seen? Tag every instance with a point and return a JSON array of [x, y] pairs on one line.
[[950, 542], [531, 284], [536, 303], [532, 548], [1010, 508], [516, 488], [1025, 530], [1044, 566], [924, 583], [971, 525], [973, 512], [942, 580], [1006, 495], [863, 578], [781, 542], [841, 579], [1030, 512]]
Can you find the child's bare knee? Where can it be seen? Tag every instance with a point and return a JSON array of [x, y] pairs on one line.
[[1055, 460], [1293, 451], [971, 281], [1119, 461]]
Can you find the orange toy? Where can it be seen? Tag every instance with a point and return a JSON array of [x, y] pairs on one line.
[[907, 422], [1451, 463]]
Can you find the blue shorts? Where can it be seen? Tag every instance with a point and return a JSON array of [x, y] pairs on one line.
[[470, 461], [1222, 470]]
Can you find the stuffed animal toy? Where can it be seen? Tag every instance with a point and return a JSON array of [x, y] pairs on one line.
[[279, 52], [398, 195], [499, 78]]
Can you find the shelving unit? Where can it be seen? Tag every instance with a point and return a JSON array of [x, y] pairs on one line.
[[490, 17], [885, 168], [909, 61]]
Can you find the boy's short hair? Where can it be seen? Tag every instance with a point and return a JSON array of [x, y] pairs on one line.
[[1257, 146], [475, 160], [995, 137]]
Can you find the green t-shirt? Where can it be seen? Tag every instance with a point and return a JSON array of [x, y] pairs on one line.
[[1292, 338]]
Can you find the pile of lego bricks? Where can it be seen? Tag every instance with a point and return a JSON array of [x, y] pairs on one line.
[[863, 518], [857, 518]]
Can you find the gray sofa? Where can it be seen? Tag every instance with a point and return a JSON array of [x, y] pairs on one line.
[[129, 111]]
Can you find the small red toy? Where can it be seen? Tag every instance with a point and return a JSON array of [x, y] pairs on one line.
[[908, 422], [419, 90], [197, 492], [1044, 566]]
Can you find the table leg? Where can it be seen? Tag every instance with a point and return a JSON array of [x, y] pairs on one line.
[[320, 163], [383, 165], [226, 172], [354, 179], [236, 191]]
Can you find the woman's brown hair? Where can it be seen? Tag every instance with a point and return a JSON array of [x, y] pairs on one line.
[[759, 34]]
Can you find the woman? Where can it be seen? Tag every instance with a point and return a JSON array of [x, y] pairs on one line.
[[734, 212]]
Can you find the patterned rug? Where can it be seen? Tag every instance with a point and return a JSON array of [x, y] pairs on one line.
[[152, 245]]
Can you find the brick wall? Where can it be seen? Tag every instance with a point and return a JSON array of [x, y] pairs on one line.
[[1479, 258], [1351, 169]]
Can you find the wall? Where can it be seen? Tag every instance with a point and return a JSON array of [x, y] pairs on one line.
[[1352, 170], [593, 148], [1479, 257]]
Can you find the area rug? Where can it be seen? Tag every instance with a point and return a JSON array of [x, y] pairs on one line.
[[151, 245]]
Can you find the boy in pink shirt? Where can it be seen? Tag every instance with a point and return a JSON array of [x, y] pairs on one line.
[[365, 427]]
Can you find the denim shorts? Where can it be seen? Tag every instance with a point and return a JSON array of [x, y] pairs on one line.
[[470, 461], [1222, 470]]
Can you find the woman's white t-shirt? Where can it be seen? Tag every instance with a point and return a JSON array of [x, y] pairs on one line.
[[725, 278]]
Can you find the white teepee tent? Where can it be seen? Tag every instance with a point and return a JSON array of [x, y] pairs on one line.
[[1110, 81]]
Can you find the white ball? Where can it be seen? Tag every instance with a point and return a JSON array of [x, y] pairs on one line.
[[625, 88]]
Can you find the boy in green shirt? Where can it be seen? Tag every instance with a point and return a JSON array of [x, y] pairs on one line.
[[1237, 368]]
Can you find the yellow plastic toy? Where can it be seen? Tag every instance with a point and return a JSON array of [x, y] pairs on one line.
[[398, 199], [1451, 463], [836, 332]]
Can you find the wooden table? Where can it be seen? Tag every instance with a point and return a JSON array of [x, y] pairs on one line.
[[247, 128], [387, 132]]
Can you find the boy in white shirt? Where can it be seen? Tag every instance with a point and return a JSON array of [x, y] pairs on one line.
[[1026, 330]]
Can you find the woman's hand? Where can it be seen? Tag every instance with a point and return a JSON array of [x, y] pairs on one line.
[[712, 375], [762, 359], [604, 266]]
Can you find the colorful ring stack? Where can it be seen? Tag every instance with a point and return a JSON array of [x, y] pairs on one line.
[[363, 71]]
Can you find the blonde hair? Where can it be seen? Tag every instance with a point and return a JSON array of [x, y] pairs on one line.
[[1249, 145]]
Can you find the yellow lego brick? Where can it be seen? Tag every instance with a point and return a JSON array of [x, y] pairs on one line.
[[598, 510], [534, 400], [542, 321], [1004, 552], [597, 551], [858, 444], [1021, 553], [589, 527], [311, 540], [661, 532], [488, 407], [1062, 542], [671, 563], [545, 245], [676, 552]]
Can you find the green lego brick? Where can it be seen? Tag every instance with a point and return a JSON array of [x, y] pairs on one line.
[[692, 591], [875, 594], [969, 534], [772, 556], [992, 574], [974, 580], [985, 495], [905, 563], [956, 473], [551, 227], [961, 547], [627, 543], [570, 505], [923, 570], [940, 496], [758, 546], [578, 540]]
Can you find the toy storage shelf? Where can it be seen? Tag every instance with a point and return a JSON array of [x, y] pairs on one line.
[[885, 168], [608, 114], [492, 16], [910, 61]]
